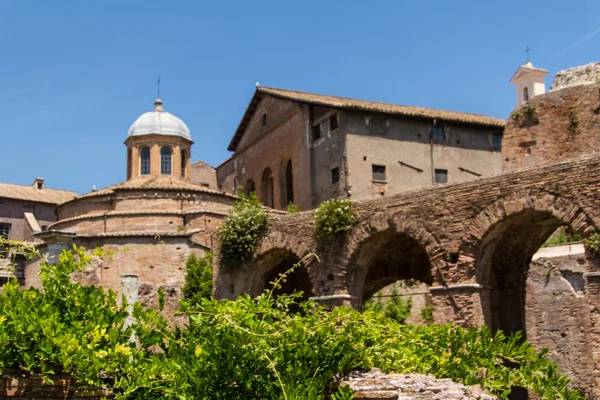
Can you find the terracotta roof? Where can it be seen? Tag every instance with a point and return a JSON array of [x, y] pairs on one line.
[[29, 193], [359, 105], [152, 182]]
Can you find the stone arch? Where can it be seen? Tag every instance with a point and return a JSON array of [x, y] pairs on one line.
[[401, 249], [276, 254], [499, 244]]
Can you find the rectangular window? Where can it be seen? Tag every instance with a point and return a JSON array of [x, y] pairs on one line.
[[441, 175], [335, 175], [333, 122], [316, 133], [497, 140], [378, 172], [264, 119], [438, 133], [4, 230]]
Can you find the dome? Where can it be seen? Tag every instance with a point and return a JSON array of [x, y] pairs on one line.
[[159, 122]]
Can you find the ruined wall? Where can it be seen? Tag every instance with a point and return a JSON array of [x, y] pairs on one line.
[[581, 75], [12, 212], [560, 125], [29, 386]]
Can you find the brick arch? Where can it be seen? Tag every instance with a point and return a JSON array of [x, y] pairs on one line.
[[275, 250], [384, 229], [500, 243], [563, 209]]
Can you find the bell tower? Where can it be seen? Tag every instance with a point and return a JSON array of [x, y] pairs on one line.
[[529, 82]]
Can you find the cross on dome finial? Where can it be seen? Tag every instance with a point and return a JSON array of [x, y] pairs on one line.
[[158, 104]]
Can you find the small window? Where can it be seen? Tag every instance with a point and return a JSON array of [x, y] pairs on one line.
[[316, 132], [333, 122], [335, 175], [497, 140], [441, 175], [44, 228], [4, 230], [264, 119], [145, 161], [378, 172], [438, 133]]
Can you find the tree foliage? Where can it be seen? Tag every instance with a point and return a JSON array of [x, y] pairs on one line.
[[243, 349], [240, 232], [198, 280]]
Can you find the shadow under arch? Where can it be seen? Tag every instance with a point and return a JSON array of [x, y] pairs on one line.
[[502, 240], [385, 249]]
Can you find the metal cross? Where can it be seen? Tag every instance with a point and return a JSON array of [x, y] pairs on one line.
[[527, 50], [158, 84]]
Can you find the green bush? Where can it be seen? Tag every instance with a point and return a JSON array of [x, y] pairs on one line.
[[334, 219], [240, 232], [592, 243], [427, 314], [198, 279], [244, 349], [395, 308]]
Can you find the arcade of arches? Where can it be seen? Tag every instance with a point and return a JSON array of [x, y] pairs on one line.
[[472, 245]]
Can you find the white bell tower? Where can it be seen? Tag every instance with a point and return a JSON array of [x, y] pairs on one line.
[[529, 82]]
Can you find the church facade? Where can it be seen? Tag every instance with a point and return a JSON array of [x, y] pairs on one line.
[[150, 223]]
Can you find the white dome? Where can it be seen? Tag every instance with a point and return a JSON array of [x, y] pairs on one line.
[[159, 122]]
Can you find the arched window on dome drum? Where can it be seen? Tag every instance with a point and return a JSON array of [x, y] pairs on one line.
[[145, 161], [166, 155], [525, 93], [183, 162], [129, 163]]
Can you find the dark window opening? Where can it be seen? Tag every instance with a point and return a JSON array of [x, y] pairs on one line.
[[497, 140], [441, 176], [266, 189], [44, 228], [165, 160], [40, 185], [378, 172], [128, 165], [183, 162], [4, 230], [316, 134], [438, 133], [145, 161], [264, 119], [453, 258], [335, 175], [289, 183], [333, 122]]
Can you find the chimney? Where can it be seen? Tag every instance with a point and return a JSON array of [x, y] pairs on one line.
[[38, 184]]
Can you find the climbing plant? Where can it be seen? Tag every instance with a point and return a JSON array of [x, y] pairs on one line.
[[241, 230], [334, 219]]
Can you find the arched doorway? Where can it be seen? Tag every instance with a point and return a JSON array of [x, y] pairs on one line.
[[250, 187], [266, 188]]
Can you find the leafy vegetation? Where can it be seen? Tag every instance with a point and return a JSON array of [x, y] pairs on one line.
[[243, 349], [240, 232], [593, 243], [198, 279], [396, 308], [427, 314], [293, 208], [334, 218], [561, 236]]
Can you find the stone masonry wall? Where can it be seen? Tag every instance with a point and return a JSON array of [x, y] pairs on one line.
[[21, 386], [564, 124], [581, 75]]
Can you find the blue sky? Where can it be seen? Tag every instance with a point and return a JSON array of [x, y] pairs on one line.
[[75, 74]]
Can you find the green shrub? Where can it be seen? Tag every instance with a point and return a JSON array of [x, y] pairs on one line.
[[293, 208], [395, 308], [592, 243], [198, 279], [334, 219], [244, 349], [427, 314], [240, 232]]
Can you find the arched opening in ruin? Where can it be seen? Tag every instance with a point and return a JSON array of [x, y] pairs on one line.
[[270, 266], [391, 266], [250, 187], [503, 262]]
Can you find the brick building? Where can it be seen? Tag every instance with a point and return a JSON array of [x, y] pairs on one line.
[[305, 148], [152, 222], [24, 211]]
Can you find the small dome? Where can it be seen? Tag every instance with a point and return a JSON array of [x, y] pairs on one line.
[[159, 122]]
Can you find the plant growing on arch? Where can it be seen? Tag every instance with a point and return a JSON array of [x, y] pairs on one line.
[[240, 232], [334, 219]]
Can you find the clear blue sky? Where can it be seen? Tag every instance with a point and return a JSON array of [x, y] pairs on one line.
[[75, 74]]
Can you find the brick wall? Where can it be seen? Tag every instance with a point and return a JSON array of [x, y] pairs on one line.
[[24, 386]]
